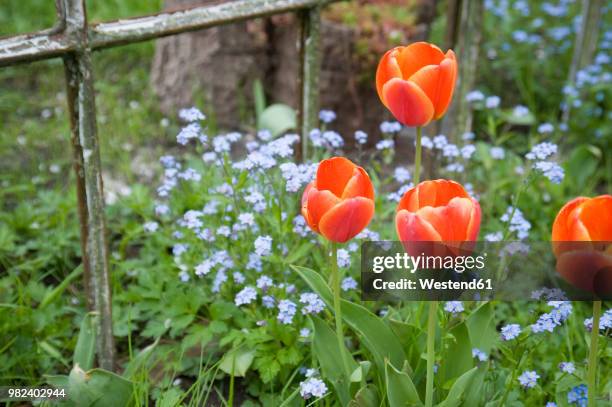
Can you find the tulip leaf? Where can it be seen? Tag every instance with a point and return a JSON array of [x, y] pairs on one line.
[[376, 335], [458, 354], [367, 396], [455, 396], [481, 327], [412, 338], [85, 349], [361, 372], [400, 388], [278, 119], [98, 388], [326, 349]]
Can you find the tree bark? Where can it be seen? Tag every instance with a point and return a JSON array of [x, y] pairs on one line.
[[467, 47], [213, 68]]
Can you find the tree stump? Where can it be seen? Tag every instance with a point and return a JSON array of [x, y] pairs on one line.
[[354, 103], [215, 67]]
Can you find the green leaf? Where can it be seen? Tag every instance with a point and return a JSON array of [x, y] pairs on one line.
[[458, 355], [57, 291], [455, 395], [327, 352], [170, 398], [481, 327], [223, 310], [412, 338], [376, 335], [155, 328], [237, 362], [268, 368], [361, 372], [475, 395], [400, 388], [278, 119], [199, 335], [85, 349], [297, 254], [140, 360], [98, 388], [259, 98], [57, 380], [289, 356], [367, 396], [582, 163], [52, 351], [242, 180], [60, 382]]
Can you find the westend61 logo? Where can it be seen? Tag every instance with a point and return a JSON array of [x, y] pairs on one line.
[[509, 271]]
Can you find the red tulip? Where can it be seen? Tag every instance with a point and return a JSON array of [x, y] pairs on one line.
[[416, 82], [582, 243], [437, 210], [339, 203], [584, 219]]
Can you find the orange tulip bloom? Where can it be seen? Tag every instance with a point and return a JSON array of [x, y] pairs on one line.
[[580, 260], [416, 82], [339, 203], [437, 210]]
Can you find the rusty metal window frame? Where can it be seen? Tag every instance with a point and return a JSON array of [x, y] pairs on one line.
[[73, 40]]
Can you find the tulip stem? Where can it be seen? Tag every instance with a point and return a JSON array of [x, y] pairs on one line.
[[335, 277], [592, 375], [417, 157], [432, 319]]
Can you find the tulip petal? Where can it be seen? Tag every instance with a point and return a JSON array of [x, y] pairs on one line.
[[438, 83], [438, 192], [417, 55], [408, 103], [431, 193], [452, 221], [446, 190], [304, 210], [411, 228], [388, 68], [561, 230], [446, 84], [428, 79], [333, 174], [426, 193], [319, 202], [345, 220], [359, 185], [474, 224], [439, 220], [306, 192], [596, 216], [459, 213], [409, 201]]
